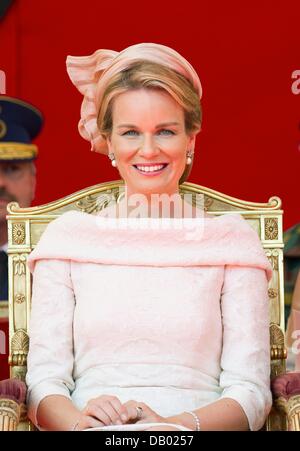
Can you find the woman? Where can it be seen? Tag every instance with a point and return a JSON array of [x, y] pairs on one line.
[[155, 322], [293, 325]]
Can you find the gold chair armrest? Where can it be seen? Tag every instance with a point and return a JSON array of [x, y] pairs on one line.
[[9, 414], [12, 398], [291, 407], [286, 393]]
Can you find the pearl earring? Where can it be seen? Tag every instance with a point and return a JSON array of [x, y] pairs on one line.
[[189, 157], [111, 156]]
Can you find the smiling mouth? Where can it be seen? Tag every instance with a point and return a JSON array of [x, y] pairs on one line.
[[153, 169]]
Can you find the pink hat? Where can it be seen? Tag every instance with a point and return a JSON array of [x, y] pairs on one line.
[[91, 74]]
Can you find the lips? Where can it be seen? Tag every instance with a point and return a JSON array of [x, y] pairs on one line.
[[150, 169]]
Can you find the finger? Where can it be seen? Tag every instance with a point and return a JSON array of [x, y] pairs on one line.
[[116, 405], [90, 422], [98, 413], [120, 409], [132, 410], [113, 414]]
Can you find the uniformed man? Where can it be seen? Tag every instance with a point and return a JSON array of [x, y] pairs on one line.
[[291, 253], [20, 123], [291, 238]]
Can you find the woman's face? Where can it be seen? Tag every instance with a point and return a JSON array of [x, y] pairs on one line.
[[149, 141]]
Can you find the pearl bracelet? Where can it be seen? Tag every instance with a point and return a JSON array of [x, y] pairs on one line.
[[196, 418]]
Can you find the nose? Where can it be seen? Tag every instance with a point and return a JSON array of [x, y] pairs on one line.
[[149, 148]]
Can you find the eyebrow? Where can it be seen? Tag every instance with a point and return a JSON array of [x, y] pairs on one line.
[[164, 124]]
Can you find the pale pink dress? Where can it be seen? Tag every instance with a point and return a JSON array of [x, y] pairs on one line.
[[160, 313]]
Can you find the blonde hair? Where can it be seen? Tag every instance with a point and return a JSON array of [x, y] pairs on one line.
[[150, 75]]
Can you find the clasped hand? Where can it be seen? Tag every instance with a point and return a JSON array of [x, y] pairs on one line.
[[107, 410]]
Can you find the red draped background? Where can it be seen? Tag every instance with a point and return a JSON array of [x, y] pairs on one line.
[[245, 55]]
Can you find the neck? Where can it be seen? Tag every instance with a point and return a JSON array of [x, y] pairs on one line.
[[157, 205]]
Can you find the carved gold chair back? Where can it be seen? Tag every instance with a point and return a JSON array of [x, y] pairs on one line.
[[26, 225]]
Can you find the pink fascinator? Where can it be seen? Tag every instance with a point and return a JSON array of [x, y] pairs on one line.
[[91, 74]]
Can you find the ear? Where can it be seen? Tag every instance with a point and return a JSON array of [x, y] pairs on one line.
[[109, 144], [33, 186], [191, 141]]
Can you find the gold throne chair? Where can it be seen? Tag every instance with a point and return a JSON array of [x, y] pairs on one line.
[[25, 227]]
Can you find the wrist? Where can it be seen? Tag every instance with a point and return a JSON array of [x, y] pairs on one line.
[[75, 426], [195, 418], [184, 419]]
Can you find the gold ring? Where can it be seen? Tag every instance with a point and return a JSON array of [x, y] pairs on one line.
[[139, 412]]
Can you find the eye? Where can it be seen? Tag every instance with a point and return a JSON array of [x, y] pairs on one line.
[[130, 133], [13, 168], [165, 131]]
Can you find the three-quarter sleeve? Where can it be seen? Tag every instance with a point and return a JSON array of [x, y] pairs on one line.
[[50, 358], [245, 360]]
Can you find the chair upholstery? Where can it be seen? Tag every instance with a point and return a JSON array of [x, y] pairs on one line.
[[12, 399], [26, 225], [286, 391]]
